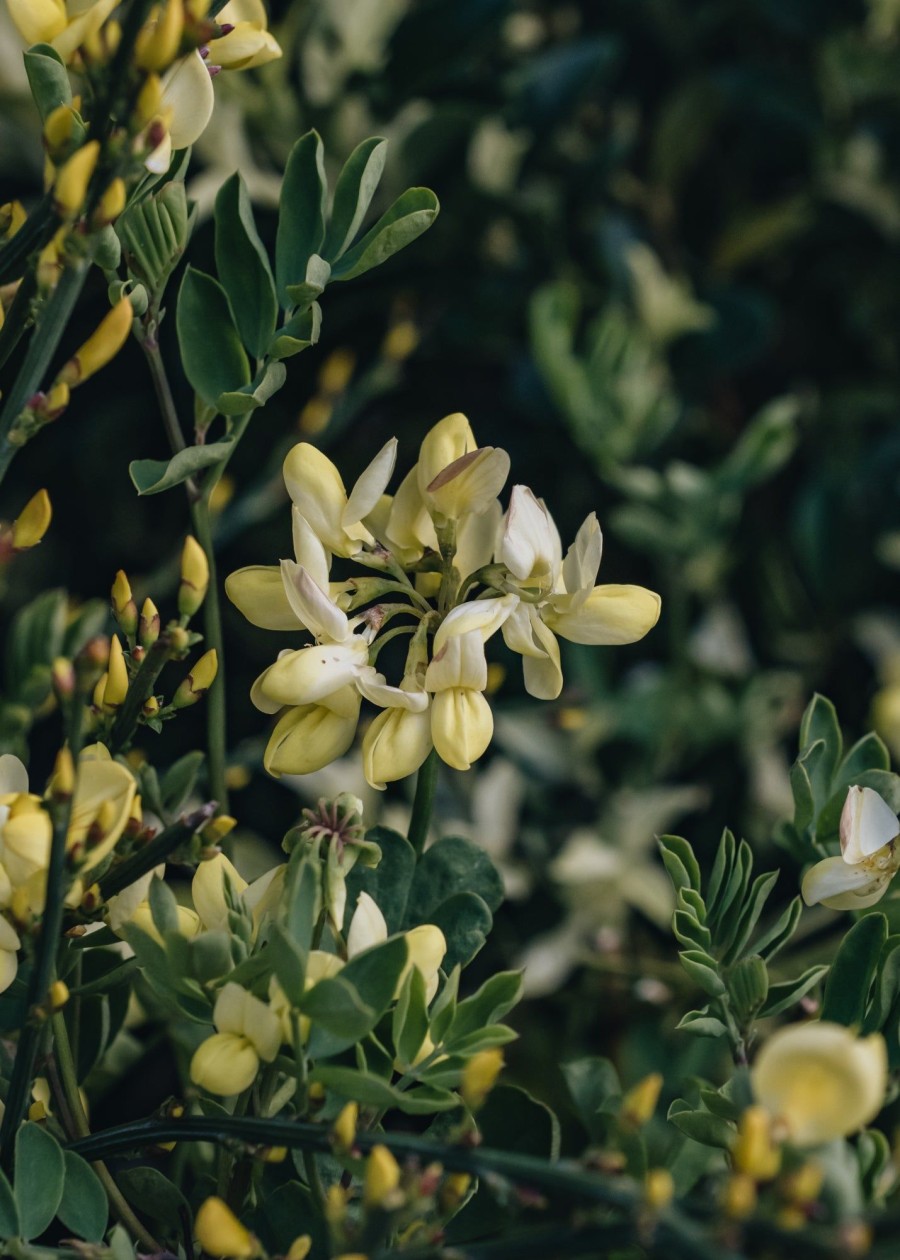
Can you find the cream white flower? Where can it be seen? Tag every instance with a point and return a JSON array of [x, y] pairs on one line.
[[869, 856], [564, 600], [820, 1081], [426, 943], [261, 591], [247, 1031], [317, 491]]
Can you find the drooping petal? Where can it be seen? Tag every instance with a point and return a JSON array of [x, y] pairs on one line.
[[525, 632], [484, 615], [867, 824], [317, 490], [310, 673], [820, 1080], [312, 605], [375, 687], [395, 745], [460, 662], [476, 539], [470, 484], [410, 530], [258, 592], [311, 736], [370, 485], [188, 93], [461, 726], [244, 47], [609, 615], [839, 886], [13, 775], [309, 550]]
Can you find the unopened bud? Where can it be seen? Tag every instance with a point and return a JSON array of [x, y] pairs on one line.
[[299, 1248], [382, 1178], [57, 995], [72, 180], [123, 606], [32, 523], [60, 128], [344, 1130], [158, 43], [99, 689], [194, 577], [62, 785], [110, 205], [639, 1103], [91, 899], [198, 681], [102, 346], [754, 1152], [179, 641], [150, 707], [62, 674], [148, 626], [102, 825], [739, 1197], [454, 1190], [804, 1184], [217, 829], [220, 1233], [659, 1188], [479, 1076], [116, 688], [12, 216], [272, 1154]]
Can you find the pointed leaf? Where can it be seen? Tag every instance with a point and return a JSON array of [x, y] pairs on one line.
[[353, 193], [243, 267], [151, 476], [301, 213], [853, 969], [410, 215], [214, 360]]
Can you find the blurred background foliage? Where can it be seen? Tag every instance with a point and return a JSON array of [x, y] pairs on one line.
[[666, 277]]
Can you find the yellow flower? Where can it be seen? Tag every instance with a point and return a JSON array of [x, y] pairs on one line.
[[194, 577], [319, 966], [160, 40], [395, 745], [310, 736], [249, 43], [201, 677], [454, 475], [63, 25], [33, 521], [102, 782], [9, 962], [71, 184], [103, 345], [820, 1081], [247, 1031], [480, 1075], [317, 491], [381, 1179], [426, 944], [753, 1151], [220, 1233]]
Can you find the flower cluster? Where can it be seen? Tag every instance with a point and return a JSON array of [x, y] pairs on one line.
[[449, 561]]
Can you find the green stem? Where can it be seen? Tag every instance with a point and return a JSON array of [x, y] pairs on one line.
[[216, 737], [69, 1081], [34, 233], [46, 338], [45, 955], [423, 801], [156, 851], [167, 408], [139, 691], [18, 315]]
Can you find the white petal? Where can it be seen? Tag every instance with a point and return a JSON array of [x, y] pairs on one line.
[[188, 92], [308, 549], [477, 539], [460, 662], [367, 927], [375, 688], [484, 615], [371, 485], [310, 674], [867, 824], [312, 605], [583, 557], [13, 775], [839, 886], [530, 543]]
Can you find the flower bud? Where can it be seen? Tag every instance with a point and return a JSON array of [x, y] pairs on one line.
[[123, 605], [111, 204], [198, 681], [194, 577], [57, 995], [479, 1076], [71, 184], [454, 1190], [158, 43], [149, 624], [62, 673], [32, 523], [217, 829], [150, 707], [299, 1248], [220, 1233], [99, 689], [639, 1103], [103, 345], [753, 1151], [12, 216], [659, 1188], [60, 128], [382, 1178], [150, 100], [116, 688], [804, 1184], [344, 1130], [62, 785], [739, 1197]]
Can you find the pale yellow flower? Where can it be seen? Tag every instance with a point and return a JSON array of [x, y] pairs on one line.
[[247, 1031], [64, 24], [869, 857]]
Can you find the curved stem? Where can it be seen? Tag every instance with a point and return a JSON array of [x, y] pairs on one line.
[[423, 801], [216, 739]]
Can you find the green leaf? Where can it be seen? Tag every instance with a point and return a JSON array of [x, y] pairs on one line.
[[411, 214], [83, 1208], [745, 919], [734, 891], [301, 213], [511, 1120], [151, 476], [155, 1196], [721, 871], [784, 995], [868, 753], [748, 985], [303, 294], [361, 1087], [376, 972], [466, 923], [703, 970], [243, 267], [820, 722], [678, 859], [389, 882], [781, 931], [288, 961], [163, 907], [179, 780], [339, 1016], [887, 989], [353, 194], [299, 333], [410, 1021], [689, 932], [702, 1126], [494, 999], [47, 78], [702, 1024], [453, 865], [302, 898], [214, 360], [9, 1213], [40, 1177], [594, 1086], [483, 1039], [443, 1008], [852, 971], [266, 383]]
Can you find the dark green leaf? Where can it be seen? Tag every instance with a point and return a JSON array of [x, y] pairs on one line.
[[389, 882], [678, 858], [155, 1195], [339, 1016], [266, 383], [151, 476], [781, 931], [163, 907], [702, 1126], [376, 972], [466, 923], [410, 215], [496, 996], [40, 1176], [784, 995], [453, 865], [703, 970], [301, 214], [410, 1020], [83, 1208], [820, 722], [353, 193], [214, 360], [288, 961], [853, 969], [47, 78], [9, 1213], [243, 267], [594, 1086], [179, 780]]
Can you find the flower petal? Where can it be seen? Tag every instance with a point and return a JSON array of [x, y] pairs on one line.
[[312, 606], [609, 615], [867, 824], [258, 592], [839, 886], [583, 558], [484, 615], [367, 927], [188, 93], [370, 485]]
